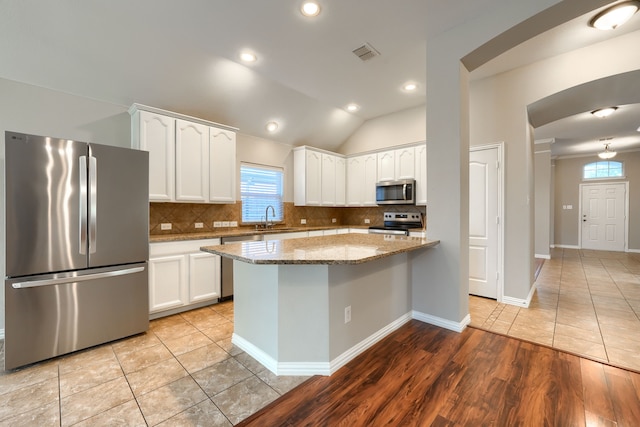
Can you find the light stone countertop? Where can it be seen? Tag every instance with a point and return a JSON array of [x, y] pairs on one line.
[[245, 231], [329, 250]]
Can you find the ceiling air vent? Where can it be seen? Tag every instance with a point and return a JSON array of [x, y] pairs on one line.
[[366, 52]]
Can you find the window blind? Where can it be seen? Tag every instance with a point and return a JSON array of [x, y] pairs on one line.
[[261, 186]]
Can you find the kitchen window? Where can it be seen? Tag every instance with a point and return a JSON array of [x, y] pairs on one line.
[[602, 170], [261, 186]]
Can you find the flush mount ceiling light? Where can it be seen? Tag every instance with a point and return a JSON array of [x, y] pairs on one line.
[[607, 153], [247, 56], [352, 108], [604, 112], [272, 127], [613, 17], [310, 8], [409, 87]]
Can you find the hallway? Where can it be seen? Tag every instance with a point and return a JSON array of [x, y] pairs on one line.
[[586, 303]]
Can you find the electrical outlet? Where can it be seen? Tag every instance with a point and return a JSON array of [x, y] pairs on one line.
[[303, 221], [233, 223], [367, 221], [225, 223], [165, 226], [217, 224], [347, 314], [199, 225], [333, 220]]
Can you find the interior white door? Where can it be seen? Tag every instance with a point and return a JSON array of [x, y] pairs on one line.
[[483, 222], [603, 216]]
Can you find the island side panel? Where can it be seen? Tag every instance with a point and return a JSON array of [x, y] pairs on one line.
[[256, 306], [304, 314], [379, 293]]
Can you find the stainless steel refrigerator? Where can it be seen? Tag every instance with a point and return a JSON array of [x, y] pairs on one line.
[[77, 246]]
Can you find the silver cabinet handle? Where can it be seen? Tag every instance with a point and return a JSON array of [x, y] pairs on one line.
[[74, 279], [93, 204]]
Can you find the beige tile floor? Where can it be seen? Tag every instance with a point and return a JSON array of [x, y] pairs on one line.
[[183, 371], [586, 302]]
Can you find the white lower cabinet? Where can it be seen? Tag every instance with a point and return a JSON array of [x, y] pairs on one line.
[[180, 275]]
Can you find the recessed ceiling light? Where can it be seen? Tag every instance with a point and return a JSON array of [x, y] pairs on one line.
[[272, 126], [604, 112], [247, 56], [613, 17], [410, 87], [310, 8], [353, 107]]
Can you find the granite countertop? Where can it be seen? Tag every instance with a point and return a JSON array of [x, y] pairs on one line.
[[335, 249], [248, 231]]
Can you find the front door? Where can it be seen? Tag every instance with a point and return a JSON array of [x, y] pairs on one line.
[[603, 216], [483, 222]]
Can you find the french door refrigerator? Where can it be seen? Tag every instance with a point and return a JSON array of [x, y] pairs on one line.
[[77, 246]]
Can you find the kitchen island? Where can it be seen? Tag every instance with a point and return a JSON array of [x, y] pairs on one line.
[[307, 306]]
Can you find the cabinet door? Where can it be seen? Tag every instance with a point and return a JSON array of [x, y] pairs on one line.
[[386, 166], [370, 179], [355, 181], [222, 164], [204, 281], [313, 171], [405, 163], [167, 282], [341, 185], [157, 136], [328, 176], [192, 162], [421, 174]]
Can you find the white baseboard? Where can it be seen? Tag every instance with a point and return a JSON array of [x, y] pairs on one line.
[[443, 323], [635, 251], [524, 303], [567, 246], [542, 256], [317, 368]]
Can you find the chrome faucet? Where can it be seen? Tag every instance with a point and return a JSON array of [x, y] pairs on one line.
[[266, 215]]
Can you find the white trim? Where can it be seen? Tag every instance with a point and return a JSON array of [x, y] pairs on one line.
[[626, 210], [566, 246], [1, 334], [501, 211], [635, 251], [542, 256], [519, 302], [544, 141], [363, 345], [443, 323], [317, 368]]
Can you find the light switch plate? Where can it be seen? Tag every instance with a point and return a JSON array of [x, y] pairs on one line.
[[199, 225], [233, 223], [217, 224], [303, 221], [165, 226], [225, 223]]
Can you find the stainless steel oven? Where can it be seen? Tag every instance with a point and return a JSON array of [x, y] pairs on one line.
[[398, 223]]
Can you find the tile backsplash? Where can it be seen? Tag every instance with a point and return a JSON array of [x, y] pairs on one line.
[[184, 216]]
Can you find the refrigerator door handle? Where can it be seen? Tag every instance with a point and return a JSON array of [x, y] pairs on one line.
[[74, 279], [93, 204], [83, 205]]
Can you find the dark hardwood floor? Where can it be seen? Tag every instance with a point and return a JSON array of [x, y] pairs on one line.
[[422, 375]]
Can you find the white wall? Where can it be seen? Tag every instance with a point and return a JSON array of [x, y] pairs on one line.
[[403, 127], [543, 191]]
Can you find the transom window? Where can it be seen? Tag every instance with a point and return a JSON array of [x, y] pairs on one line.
[[600, 170], [261, 186]]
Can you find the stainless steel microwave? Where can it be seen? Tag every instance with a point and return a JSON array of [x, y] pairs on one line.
[[399, 192]]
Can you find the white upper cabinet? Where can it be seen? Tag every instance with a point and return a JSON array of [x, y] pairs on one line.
[[421, 174], [328, 180], [405, 163], [396, 164], [361, 180], [386, 166], [192, 162], [222, 169], [341, 183], [155, 133]]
